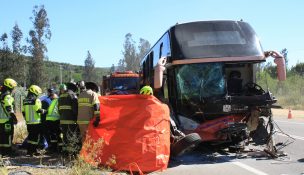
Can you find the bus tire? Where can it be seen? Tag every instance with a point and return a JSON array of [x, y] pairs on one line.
[[186, 144]]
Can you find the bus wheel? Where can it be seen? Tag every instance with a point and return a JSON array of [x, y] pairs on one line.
[[186, 144]]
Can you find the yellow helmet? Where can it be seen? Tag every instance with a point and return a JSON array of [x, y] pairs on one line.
[[10, 83], [146, 90], [35, 89]]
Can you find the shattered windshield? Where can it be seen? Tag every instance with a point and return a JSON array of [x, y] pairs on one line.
[[198, 81], [125, 83]]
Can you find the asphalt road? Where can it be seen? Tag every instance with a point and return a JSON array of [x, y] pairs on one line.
[[200, 162]]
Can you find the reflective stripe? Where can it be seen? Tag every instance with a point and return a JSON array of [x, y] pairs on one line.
[[96, 112], [64, 95], [3, 120], [4, 117], [83, 122], [33, 142], [65, 107], [54, 141], [31, 114], [83, 100], [9, 143], [52, 118], [85, 104], [53, 114], [67, 122]]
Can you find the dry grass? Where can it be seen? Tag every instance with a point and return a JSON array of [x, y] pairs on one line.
[[89, 162], [283, 113], [20, 132], [76, 165], [3, 169]]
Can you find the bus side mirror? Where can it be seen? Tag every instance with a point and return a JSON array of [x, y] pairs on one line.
[[159, 72], [280, 62]]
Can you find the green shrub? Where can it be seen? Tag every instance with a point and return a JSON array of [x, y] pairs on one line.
[[289, 92]]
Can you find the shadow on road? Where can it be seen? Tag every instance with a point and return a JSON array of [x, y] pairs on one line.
[[301, 160], [207, 155], [198, 157]]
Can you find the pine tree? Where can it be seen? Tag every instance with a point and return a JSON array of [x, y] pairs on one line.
[[129, 53], [143, 48], [131, 57], [121, 65], [39, 35], [89, 73], [4, 58], [18, 69], [284, 53], [112, 69]]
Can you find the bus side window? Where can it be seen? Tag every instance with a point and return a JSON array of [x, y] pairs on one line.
[[150, 69], [161, 50], [144, 73]]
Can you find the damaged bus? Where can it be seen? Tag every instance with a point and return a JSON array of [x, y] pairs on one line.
[[206, 72]]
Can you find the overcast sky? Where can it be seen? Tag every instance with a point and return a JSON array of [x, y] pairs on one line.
[[100, 26]]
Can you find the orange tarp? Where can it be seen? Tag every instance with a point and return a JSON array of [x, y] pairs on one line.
[[135, 130]]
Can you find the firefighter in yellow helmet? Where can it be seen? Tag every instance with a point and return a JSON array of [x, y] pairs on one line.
[[146, 90], [32, 111], [7, 116]]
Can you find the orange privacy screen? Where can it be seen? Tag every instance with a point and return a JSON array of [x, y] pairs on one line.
[[135, 129]]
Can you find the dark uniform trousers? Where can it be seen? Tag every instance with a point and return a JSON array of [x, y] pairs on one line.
[[53, 134], [34, 136], [6, 137]]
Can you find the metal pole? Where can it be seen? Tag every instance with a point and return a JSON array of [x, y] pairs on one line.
[[60, 67]]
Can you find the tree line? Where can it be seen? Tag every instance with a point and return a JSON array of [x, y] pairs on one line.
[[29, 64], [289, 92], [36, 68], [131, 54], [271, 69]]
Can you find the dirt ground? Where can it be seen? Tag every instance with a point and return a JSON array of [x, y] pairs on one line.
[[56, 165], [283, 113]]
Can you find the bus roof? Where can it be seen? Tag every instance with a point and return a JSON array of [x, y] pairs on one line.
[[213, 39]]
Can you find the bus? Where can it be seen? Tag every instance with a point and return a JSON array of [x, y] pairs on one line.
[[120, 82], [206, 72]]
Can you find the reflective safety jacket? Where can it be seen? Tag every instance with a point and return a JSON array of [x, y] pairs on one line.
[[31, 106], [53, 113], [68, 107], [7, 102], [88, 106]]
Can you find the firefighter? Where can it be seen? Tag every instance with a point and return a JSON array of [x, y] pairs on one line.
[[46, 101], [146, 90], [88, 107], [52, 124], [68, 108], [32, 111], [7, 116]]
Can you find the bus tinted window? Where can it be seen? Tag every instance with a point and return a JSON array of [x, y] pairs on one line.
[[214, 39]]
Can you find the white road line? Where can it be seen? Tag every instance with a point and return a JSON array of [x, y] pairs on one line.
[[249, 168], [296, 123], [293, 136]]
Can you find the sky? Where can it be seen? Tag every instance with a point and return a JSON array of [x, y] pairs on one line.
[[100, 26]]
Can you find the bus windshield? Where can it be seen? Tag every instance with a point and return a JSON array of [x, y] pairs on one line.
[[124, 83], [215, 39], [198, 81]]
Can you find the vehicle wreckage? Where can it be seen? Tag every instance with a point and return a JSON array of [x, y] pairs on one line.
[[206, 72]]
